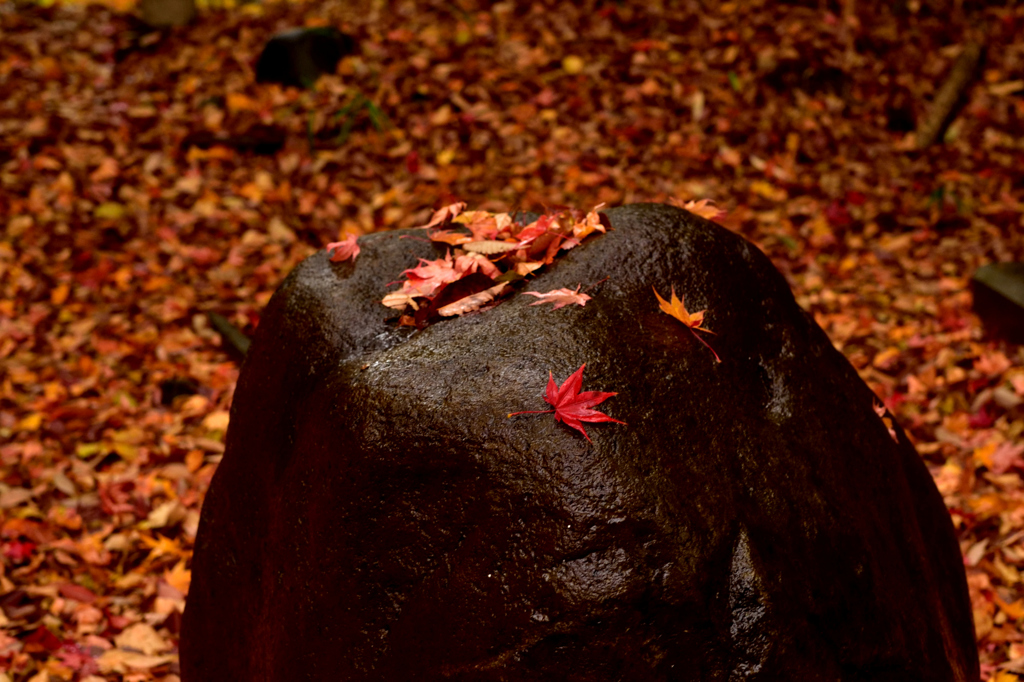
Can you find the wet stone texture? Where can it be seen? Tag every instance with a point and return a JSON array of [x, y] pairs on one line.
[[377, 516]]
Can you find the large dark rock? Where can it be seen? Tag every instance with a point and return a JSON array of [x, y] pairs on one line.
[[377, 516]]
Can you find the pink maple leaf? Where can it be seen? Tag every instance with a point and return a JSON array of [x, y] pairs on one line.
[[343, 250], [1006, 457], [560, 297]]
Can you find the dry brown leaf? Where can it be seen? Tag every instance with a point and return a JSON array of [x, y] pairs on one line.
[[120, 661], [471, 303], [489, 247], [143, 638], [560, 297]]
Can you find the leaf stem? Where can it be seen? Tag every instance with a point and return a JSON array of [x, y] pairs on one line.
[[512, 414], [705, 344]]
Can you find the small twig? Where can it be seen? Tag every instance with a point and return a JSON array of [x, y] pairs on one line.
[[592, 286], [951, 96]]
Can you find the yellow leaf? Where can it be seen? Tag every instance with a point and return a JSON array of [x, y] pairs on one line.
[[161, 547], [251, 191], [217, 421], [30, 423], [948, 478], [988, 505], [141, 637], [236, 101], [983, 455], [982, 623], [1007, 573], [123, 277], [195, 404], [127, 451], [445, 156], [884, 359], [109, 211], [23, 376], [132, 434], [820, 227], [572, 64], [189, 84], [179, 577], [166, 515], [441, 116], [85, 450], [54, 390], [1014, 610], [118, 660], [768, 191], [59, 293], [1003, 676], [194, 459]]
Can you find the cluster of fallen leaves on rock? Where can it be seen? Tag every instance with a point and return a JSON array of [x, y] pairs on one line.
[[496, 249], [133, 201], [492, 251]]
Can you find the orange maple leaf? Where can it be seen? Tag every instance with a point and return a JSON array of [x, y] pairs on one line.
[[693, 321], [676, 309], [704, 208]]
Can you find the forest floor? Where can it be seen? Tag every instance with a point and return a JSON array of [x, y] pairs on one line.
[[122, 225]]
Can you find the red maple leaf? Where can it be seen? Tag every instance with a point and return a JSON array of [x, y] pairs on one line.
[[426, 277], [571, 406]]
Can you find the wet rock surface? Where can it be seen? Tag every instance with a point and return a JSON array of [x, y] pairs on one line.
[[377, 516]]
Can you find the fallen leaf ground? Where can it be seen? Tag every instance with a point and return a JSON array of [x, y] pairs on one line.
[[123, 226]]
